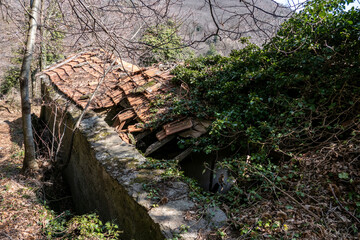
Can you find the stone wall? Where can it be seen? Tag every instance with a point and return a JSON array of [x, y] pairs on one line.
[[103, 176]]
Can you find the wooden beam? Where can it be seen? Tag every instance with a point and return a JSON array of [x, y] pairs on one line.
[[156, 145], [142, 135], [184, 154]]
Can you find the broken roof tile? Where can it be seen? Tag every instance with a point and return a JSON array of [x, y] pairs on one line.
[[128, 114], [84, 71], [177, 126], [124, 137], [161, 135], [151, 72], [128, 67], [135, 128]]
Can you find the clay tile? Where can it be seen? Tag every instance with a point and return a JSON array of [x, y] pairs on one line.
[[91, 71], [161, 135], [124, 137], [68, 69], [177, 126], [61, 72], [139, 80], [127, 67], [126, 115], [151, 72], [54, 77], [135, 128]]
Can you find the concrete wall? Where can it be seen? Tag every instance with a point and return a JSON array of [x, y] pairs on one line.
[[103, 176], [93, 166]]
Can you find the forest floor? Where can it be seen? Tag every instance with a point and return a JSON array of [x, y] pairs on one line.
[[22, 215]]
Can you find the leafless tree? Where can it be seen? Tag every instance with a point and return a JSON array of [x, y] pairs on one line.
[[29, 160], [120, 24], [117, 26]]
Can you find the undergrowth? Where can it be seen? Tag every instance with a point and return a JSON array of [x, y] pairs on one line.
[[289, 113], [87, 226], [60, 220]]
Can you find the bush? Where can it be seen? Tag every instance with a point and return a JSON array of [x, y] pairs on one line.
[[295, 92], [10, 80], [163, 44], [87, 226]]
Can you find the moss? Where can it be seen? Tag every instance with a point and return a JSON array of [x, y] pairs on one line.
[[132, 139], [143, 179], [132, 164], [144, 176], [124, 163], [60, 102], [99, 136], [143, 87]]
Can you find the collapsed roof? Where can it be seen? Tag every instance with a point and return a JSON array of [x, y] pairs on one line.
[[117, 82]]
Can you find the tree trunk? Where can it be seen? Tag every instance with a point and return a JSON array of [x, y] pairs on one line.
[[42, 36], [29, 160]]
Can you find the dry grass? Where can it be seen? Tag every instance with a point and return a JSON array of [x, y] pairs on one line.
[[21, 213], [321, 200]]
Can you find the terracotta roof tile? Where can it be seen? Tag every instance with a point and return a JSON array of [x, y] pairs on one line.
[[177, 126], [129, 114], [139, 80], [140, 104], [91, 71], [79, 75], [61, 72], [128, 67], [124, 137], [53, 76], [68, 69], [161, 135], [151, 72], [135, 128]]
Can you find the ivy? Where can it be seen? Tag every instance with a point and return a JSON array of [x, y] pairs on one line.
[[294, 91]]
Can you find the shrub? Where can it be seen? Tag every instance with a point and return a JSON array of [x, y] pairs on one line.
[[10, 80], [163, 44]]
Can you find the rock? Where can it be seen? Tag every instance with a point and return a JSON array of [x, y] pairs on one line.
[[216, 216]]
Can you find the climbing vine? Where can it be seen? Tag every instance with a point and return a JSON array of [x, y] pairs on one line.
[[298, 90], [294, 97]]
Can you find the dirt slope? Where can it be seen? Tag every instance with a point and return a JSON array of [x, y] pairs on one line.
[[21, 214]]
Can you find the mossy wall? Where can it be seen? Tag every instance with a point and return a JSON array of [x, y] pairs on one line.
[[99, 163]]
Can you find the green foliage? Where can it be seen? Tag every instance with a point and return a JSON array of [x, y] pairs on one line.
[[212, 50], [10, 80], [52, 40], [164, 44], [87, 226], [296, 90], [294, 93]]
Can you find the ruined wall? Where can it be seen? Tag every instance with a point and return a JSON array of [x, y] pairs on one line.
[[103, 176], [92, 172]]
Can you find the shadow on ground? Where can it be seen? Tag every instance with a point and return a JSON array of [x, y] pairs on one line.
[[16, 132]]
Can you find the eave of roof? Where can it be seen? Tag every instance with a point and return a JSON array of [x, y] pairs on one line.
[[79, 75]]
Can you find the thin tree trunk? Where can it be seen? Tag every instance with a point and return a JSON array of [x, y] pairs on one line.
[[42, 35], [29, 160]]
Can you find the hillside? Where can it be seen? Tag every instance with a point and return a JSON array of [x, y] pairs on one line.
[[8, 41], [258, 20]]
